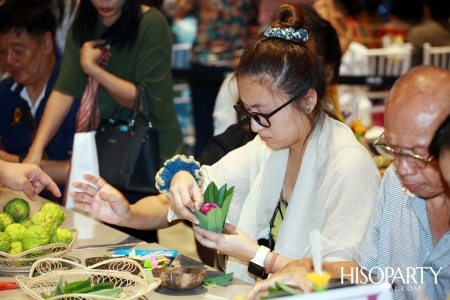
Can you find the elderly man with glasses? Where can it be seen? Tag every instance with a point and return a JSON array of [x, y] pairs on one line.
[[407, 242]]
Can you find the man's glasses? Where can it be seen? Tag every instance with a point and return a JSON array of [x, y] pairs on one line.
[[413, 159], [261, 119]]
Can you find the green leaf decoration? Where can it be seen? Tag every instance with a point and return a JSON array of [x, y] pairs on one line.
[[114, 293], [203, 221], [77, 286], [230, 191], [102, 286], [210, 193], [211, 217], [289, 289], [58, 291], [221, 195], [221, 279], [226, 204], [45, 296], [215, 219], [281, 290]]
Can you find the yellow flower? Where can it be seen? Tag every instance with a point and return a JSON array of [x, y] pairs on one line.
[[358, 126], [319, 281]]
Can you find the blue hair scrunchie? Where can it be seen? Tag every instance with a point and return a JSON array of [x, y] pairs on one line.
[[173, 166], [287, 33]]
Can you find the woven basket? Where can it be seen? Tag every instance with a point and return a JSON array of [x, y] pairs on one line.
[[52, 269], [21, 262]]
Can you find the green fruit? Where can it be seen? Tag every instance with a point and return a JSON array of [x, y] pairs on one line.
[[2, 226], [62, 236], [45, 221], [18, 209], [55, 211], [16, 248], [34, 236], [25, 222], [15, 232], [6, 218], [5, 242]]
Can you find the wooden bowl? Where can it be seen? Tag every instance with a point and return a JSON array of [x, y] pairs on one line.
[[180, 279]]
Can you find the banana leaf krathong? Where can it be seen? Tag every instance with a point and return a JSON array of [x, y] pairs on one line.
[[213, 213]]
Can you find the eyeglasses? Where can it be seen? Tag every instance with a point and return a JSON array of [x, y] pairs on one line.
[[412, 159], [261, 119]]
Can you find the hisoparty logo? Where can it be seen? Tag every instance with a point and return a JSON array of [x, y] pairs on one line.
[[409, 275]]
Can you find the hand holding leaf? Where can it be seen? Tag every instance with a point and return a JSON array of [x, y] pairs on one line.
[[213, 213]]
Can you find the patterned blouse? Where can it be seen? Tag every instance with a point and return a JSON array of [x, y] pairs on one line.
[[223, 28]]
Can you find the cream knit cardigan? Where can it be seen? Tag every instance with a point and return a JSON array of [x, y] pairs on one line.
[[335, 193]]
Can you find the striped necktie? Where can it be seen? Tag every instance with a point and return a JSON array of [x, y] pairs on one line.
[[89, 111]]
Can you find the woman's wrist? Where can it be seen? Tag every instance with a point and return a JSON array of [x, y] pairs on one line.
[[131, 218], [273, 258]]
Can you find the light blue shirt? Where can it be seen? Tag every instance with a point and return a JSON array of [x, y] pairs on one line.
[[398, 241]]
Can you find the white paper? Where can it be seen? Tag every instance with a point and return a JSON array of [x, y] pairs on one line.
[[84, 160]]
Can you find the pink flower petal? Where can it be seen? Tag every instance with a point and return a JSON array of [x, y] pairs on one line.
[[206, 208]]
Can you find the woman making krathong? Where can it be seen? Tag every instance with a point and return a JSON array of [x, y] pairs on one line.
[[303, 163]]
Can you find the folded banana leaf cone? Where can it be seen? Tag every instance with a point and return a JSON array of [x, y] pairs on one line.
[[213, 213]]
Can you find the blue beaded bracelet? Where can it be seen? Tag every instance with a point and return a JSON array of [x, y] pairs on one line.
[[173, 166]]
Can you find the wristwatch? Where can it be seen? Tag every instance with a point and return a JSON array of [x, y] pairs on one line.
[[256, 264]]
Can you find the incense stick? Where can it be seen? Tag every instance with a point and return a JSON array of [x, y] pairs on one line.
[[316, 250]]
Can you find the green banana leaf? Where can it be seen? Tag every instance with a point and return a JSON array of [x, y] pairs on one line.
[[287, 288], [203, 221], [226, 204], [215, 219], [210, 193], [221, 279], [221, 195], [281, 290], [219, 220]]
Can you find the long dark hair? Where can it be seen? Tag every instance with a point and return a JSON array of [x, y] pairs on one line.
[[123, 32]]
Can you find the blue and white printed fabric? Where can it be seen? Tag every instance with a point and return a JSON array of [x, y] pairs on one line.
[[287, 33]]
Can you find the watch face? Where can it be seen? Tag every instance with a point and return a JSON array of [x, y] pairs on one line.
[[256, 269]]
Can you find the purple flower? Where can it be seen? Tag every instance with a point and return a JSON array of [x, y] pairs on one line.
[[151, 263], [346, 113], [207, 207]]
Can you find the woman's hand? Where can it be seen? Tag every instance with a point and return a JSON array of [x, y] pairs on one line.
[[90, 55], [294, 273], [103, 201], [235, 243], [184, 194]]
